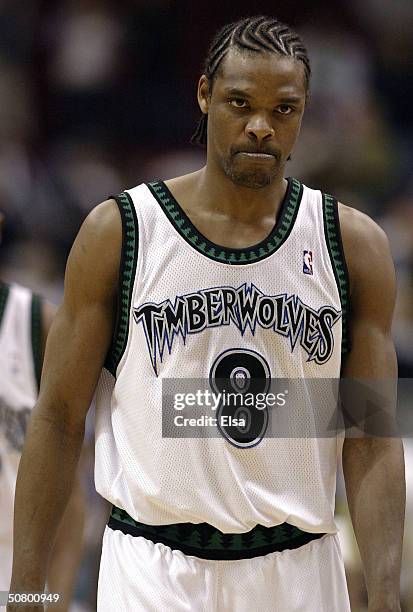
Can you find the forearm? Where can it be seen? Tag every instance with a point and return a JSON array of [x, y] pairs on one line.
[[45, 478], [374, 475], [67, 550]]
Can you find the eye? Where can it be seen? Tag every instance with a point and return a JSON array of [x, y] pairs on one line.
[[238, 103], [284, 109]]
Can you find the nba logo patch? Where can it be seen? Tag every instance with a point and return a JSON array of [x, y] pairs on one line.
[[308, 262]]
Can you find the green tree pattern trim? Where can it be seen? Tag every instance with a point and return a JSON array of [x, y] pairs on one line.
[[336, 252], [188, 231], [206, 537], [126, 280]]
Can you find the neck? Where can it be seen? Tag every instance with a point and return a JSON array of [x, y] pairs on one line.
[[217, 193]]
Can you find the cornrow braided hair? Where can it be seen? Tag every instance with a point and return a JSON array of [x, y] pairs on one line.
[[256, 34]]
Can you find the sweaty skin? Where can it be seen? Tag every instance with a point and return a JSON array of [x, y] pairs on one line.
[[256, 104]]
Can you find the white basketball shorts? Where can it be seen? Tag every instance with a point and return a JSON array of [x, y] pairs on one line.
[[137, 575]]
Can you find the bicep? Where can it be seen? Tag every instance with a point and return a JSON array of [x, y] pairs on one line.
[[372, 354], [372, 278], [75, 352], [369, 397], [81, 332]]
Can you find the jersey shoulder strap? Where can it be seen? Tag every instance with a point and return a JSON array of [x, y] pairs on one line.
[[127, 272], [334, 242]]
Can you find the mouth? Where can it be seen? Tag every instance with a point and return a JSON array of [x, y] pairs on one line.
[[262, 157]]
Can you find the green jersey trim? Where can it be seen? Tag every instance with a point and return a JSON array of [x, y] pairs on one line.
[[258, 252], [335, 248], [4, 294], [37, 336], [205, 541], [127, 270]]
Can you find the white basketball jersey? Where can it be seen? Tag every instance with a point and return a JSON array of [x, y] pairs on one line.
[[20, 341], [190, 309]]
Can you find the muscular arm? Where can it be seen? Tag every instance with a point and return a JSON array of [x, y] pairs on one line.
[[373, 466], [67, 549], [75, 352]]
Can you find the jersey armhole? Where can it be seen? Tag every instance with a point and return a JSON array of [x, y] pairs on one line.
[[334, 243], [127, 271], [37, 336]]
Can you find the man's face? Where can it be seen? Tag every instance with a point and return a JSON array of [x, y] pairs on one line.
[[254, 115]]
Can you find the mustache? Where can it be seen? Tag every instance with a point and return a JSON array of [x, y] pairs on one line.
[[258, 150]]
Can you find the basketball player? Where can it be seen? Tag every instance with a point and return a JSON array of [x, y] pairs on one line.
[[213, 524], [24, 323]]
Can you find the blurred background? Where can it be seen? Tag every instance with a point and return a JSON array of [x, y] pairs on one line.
[[97, 96]]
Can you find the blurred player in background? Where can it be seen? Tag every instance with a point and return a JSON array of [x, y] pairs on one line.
[[214, 524], [25, 320]]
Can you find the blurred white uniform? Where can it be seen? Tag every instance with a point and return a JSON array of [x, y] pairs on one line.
[[20, 343]]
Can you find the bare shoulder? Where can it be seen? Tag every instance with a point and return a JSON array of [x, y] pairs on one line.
[[94, 259], [367, 252], [103, 222], [359, 229]]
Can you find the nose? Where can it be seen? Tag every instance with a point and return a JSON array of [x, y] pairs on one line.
[[259, 128]]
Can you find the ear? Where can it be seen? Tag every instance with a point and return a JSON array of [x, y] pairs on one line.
[[203, 94]]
